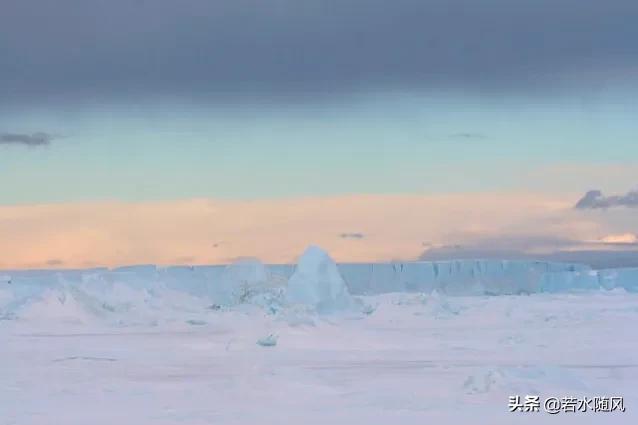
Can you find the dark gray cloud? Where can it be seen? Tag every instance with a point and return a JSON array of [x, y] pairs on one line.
[[35, 139], [597, 259], [595, 199], [559, 250], [468, 136], [354, 235], [504, 247], [274, 46]]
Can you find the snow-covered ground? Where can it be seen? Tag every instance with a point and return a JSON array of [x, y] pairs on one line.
[[106, 353]]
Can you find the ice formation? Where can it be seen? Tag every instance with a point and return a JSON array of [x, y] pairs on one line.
[[316, 282], [240, 281], [268, 341], [145, 294]]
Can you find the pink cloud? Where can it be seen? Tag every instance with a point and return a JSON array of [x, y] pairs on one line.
[[214, 231]]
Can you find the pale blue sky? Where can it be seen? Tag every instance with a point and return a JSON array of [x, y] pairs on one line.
[[133, 149]]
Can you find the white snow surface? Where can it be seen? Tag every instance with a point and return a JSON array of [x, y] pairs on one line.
[[241, 345]]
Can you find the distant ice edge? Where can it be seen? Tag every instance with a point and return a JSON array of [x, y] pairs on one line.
[[459, 277]]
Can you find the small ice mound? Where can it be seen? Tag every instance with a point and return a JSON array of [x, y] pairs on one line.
[[55, 306], [196, 322], [485, 381], [247, 281], [6, 299], [6, 295], [297, 316], [440, 307], [368, 309], [411, 299], [268, 341], [523, 380], [316, 282], [117, 298]]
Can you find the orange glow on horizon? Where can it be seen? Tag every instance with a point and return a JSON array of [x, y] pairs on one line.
[[203, 231]]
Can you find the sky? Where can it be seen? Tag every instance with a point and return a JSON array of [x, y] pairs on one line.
[[181, 132]]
